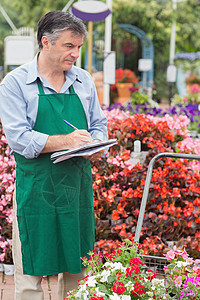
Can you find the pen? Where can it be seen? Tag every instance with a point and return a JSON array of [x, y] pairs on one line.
[[70, 124]]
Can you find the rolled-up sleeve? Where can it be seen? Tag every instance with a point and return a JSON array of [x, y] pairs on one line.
[[18, 129]]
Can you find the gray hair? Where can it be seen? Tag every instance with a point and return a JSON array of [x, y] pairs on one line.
[[53, 23]]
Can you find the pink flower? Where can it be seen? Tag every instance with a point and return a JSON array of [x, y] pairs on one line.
[[195, 88], [170, 255], [189, 260], [177, 251], [178, 281], [197, 261], [184, 255]]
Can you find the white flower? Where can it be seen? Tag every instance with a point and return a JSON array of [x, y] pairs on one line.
[[115, 297], [91, 281], [98, 293], [81, 293], [107, 264], [159, 282], [105, 274], [118, 266], [115, 266], [118, 297], [83, 287], [130, 286], [181, 264], [126, 297]]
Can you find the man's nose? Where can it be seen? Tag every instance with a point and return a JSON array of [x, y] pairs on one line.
[[75, 52]]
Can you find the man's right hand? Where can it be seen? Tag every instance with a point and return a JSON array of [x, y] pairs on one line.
[[67, 141], [77, 138]]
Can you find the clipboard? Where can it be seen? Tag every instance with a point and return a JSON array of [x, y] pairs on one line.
[[84, 150]]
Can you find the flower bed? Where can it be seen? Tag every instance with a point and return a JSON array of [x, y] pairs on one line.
[[173, 207], [180, 108]]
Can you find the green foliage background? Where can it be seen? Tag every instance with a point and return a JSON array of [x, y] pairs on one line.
[[154, 17]]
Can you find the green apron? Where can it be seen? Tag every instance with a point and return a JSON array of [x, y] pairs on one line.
[[55, 201]]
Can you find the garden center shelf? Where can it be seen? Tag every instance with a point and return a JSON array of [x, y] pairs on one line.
[[154, 262]]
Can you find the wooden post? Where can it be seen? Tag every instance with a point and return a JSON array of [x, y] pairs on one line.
[[90, 32]]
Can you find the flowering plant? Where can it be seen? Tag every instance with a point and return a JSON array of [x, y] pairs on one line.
[[7, 179], [138, 96], [122, 276], [6, 248], [125, 75], [183, 275]]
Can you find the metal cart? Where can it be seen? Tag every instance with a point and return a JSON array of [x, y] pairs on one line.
[[154, 262]]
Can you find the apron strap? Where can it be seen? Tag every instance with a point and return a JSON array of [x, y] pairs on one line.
[[41, 91], [71, 89]]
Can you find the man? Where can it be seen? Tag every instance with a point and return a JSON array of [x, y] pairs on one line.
[[55, 213]]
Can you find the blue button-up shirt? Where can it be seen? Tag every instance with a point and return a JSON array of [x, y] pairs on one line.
[[19, 104]]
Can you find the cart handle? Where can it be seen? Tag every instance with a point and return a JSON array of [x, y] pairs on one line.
[[147, 184]]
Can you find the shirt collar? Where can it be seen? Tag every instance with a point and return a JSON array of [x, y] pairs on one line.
[[73, 74], [33, 73]]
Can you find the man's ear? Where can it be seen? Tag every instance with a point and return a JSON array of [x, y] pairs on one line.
[[45, 42]]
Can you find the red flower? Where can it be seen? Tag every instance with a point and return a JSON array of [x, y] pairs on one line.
[[128, 193], [95, 297], [110, 256], [151, 274], [115, 215], [133, 270], [125, 75], [139, 289], [118, 287], [136, 261]]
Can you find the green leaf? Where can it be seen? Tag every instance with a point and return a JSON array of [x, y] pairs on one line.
[[171, 266], [103, 289], [111, 279]]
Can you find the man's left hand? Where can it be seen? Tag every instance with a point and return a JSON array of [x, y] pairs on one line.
[[95, 156]]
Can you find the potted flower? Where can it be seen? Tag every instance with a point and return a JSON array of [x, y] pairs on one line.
[[125, 79], [117, 275], [122, 275]]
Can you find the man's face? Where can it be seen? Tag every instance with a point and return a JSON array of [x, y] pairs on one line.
[[63, 54]]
